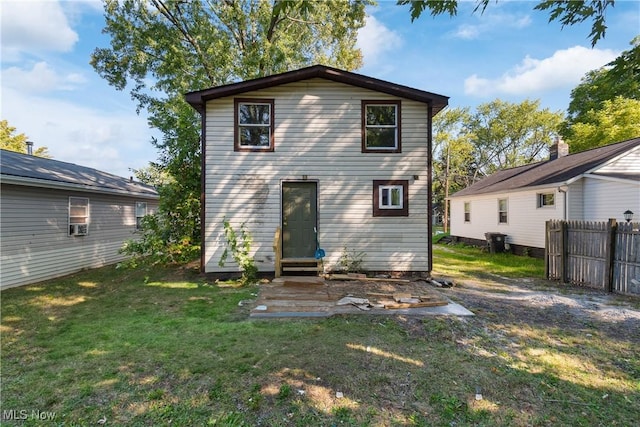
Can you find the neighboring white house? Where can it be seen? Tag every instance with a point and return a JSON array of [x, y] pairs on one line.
[[592, 185], [319, 149], [57, 218]]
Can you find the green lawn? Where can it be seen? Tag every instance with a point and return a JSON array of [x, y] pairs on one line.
[[164, 347]]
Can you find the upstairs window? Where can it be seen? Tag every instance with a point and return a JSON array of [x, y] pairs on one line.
[[381, 127], [253, 125], [78, 216], [390, 198], [467, 211], [503, 213], [141, 212], [546, 200]]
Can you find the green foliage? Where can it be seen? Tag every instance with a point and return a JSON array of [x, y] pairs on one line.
[[161, 50], [17, 143], [617, 120], [567, 12], [601, 93], [240, 248], [155, 245], [351, 260]]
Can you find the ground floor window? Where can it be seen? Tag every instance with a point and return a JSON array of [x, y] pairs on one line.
[[467, 211], [390, 198], [141, 212], [503, 212], [78, 216]]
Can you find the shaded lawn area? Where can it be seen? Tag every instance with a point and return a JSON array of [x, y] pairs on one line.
[[163, 346]]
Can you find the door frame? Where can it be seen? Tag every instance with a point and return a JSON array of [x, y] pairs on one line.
[[283, 182]]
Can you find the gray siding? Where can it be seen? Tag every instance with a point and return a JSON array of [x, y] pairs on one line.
[[34, 233], [318, 134]]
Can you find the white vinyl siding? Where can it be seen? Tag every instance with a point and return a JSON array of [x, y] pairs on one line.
[[318, 134], [627, 163], [35, 241], [606, 199], [526, 223]]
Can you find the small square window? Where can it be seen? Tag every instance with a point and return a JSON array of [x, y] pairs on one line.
[[141, 212], [503, 211], [381, 127], [467, 211], [253, 125], [546, 200], [390, 198]]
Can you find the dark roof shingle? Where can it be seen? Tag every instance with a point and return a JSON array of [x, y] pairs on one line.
[[19, 166], [548, 172]]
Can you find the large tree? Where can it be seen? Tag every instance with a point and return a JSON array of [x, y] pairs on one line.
[[618, 79], [616, 120], [567, 12], [469, 145], [11, 141], [507, 135], [162, 49]]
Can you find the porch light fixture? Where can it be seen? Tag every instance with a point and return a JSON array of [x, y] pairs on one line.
[[628, 215]]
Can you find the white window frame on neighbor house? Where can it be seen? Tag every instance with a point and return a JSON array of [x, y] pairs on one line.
[[79, 215], [368, 127], [503, 214], [467, 211], [267, 127], [546, 200], [141, 212]]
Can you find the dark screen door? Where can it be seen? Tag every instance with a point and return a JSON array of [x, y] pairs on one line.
[[299, 214]]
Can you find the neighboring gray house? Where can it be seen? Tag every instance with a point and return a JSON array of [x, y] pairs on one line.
[[57, 218], [592, 185], [318, 149]]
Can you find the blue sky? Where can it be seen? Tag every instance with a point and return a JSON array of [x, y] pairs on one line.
[[50, 92]]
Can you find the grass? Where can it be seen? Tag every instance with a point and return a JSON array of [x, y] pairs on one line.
[[166, 347], [464, 261]]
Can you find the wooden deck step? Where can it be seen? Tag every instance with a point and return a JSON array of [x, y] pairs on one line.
[[300, 265]]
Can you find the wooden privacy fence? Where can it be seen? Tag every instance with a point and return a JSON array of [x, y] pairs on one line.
[[602, 255]]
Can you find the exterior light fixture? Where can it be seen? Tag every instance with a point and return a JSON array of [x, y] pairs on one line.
[[628, 215]]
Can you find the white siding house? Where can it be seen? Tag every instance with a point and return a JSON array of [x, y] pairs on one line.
[[592, 185], [332, 151], [57, 218]]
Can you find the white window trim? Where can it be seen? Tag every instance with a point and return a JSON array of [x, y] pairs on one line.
[[540, 201], [367, 126], [76, 227], [506, 211], [268, 126], [390, 188], [140, 216]]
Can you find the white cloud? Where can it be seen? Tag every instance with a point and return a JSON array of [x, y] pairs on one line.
[[39, 79], [112, 141], [375, 39], [490, 22], [34, 26], [564, 68]]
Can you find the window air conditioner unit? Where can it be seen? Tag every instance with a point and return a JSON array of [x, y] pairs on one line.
[[78, 229]]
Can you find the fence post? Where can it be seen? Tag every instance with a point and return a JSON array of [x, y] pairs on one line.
[[564, 233], [612, 228], [547, 226]]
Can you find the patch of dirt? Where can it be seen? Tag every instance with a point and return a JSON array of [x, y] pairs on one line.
[[540, 303]]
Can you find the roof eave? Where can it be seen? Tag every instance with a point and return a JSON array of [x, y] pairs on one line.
[[58, 185], [197, 99]]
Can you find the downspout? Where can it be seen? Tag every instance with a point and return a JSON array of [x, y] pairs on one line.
[[203, 155], [429, 188]]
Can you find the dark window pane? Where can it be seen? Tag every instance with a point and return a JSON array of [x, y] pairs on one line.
[[381, 115], [385, 197], [257, 114], [381, 137], [255, 136]]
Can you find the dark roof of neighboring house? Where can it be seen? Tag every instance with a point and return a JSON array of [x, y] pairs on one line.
[[550, 172], [25, 169], [198, 98]]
